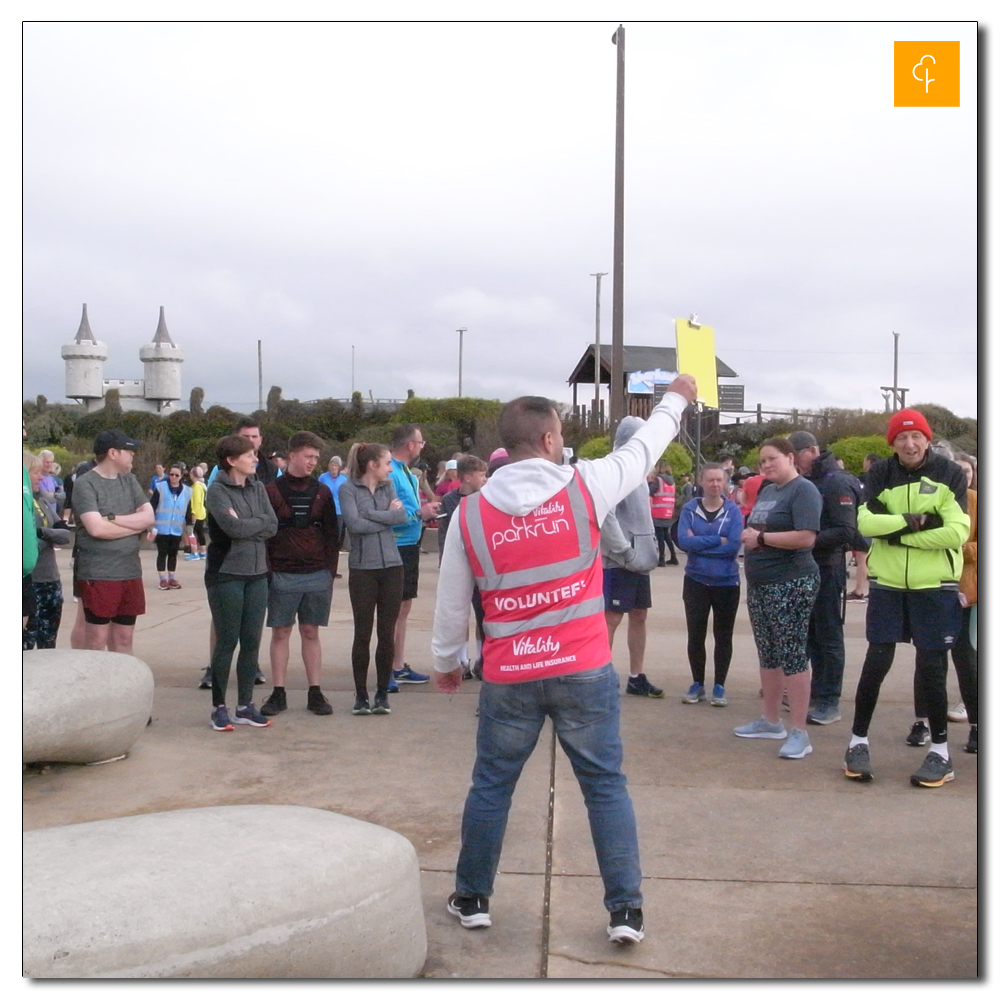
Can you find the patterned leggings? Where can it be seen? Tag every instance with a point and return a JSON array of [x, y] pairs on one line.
[[779, 615], [43, 625]]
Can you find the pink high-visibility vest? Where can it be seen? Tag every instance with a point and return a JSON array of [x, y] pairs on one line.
[[661, 503], [541, 584]]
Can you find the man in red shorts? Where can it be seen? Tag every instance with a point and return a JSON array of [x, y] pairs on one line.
[[112, 513]]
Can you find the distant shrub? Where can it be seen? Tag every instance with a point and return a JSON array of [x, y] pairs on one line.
[[852, 450]]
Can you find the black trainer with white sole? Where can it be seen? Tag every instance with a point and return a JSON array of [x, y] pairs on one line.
[[625, 926], [473, 911]]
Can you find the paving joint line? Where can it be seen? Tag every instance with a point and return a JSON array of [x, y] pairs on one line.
[[543, 969]]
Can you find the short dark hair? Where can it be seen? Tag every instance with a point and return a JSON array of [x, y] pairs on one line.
[[231, 446], [402, 434], [524, 420], [245, 422], [305, 439], [468, 464], [711, 465], [872, 457], [781, 444]]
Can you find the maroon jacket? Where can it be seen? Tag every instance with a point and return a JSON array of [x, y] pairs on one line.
[[308, 537]]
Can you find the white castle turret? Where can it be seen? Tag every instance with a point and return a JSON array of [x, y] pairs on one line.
[[162, 360], [85, 358]]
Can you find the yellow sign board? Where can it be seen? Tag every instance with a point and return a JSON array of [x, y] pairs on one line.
[[696, 356]]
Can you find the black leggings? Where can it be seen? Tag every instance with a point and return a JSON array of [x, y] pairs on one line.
[[966, 659], [371, 590], [930, 691], [663, 538], [167, 547], [723, 602]]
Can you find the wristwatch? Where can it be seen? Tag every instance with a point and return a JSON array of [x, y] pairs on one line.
[[760, 539], [109, 517]]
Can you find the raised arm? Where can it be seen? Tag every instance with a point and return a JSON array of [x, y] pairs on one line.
[[612, 478]]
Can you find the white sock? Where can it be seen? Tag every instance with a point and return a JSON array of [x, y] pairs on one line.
[[463, 653], [941, 749], [631, 675], [856, 741]]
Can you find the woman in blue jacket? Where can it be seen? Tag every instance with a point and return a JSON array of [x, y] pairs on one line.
[[709, 532]]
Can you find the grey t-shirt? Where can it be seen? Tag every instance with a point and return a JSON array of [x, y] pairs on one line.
[[107, 558], [796, 506]]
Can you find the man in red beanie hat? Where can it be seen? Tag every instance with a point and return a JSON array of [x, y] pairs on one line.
[[916, 518]]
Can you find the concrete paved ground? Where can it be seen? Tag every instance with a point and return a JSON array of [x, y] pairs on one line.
[[754, 867]]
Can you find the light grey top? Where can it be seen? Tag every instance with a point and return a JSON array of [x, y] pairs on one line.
[[107, 558], [369, 522], [46, 570]]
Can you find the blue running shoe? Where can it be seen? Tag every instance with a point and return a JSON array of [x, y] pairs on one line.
[[409, 676], [797, 745], [220, 720], [249, 716], [719, 696], [393, 686], [694, 694], [761, 729], [190, 556]]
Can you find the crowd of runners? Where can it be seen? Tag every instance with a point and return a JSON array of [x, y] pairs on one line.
[[548, 556]]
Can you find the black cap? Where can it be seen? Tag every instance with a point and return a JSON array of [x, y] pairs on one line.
[[107, 440], [800, 440]]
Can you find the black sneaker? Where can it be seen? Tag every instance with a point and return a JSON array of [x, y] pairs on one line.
[[919, 735], [625, 926], [933, 773], [473, 911], [381, 706], [857, 763], [973, 745], [317, 704], [259, 678], [361, 706], [275, 703], [640, 685], [205, 684]]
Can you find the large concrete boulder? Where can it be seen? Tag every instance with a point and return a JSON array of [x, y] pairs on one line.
[[81, 706], [176, 895]]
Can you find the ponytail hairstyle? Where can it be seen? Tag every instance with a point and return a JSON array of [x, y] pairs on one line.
[[360, 455]]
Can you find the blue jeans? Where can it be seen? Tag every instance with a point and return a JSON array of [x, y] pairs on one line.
[[584, 710]]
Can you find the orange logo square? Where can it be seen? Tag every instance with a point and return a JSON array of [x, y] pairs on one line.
[[925, 75]]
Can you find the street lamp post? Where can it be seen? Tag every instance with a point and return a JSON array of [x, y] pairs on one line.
[[461, 333]]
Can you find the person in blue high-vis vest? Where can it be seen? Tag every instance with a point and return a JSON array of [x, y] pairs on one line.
[[171, 502]]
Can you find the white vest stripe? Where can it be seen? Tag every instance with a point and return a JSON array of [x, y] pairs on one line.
[[504, 630]]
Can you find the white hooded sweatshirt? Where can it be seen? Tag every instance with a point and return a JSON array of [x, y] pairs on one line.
[[522, 486]]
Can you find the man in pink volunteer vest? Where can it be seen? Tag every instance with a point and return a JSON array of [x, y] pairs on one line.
[[530, 541]]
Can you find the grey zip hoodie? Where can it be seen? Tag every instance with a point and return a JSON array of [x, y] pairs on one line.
[[236, 544], [369, 523], [628, 539]]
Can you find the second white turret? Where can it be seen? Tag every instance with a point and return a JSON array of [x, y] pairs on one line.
[[162, 360]]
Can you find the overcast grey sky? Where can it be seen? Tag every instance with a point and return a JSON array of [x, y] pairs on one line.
[[319, 186]]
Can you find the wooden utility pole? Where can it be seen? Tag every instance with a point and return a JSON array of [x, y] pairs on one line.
[[597, 344], [617, 409]]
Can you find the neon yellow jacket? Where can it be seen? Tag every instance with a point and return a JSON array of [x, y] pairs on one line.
[[904, 556]]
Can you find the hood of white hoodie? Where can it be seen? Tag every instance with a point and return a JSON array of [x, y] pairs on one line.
[[522, 486]]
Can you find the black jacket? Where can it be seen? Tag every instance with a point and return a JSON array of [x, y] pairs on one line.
[[838, 524]]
